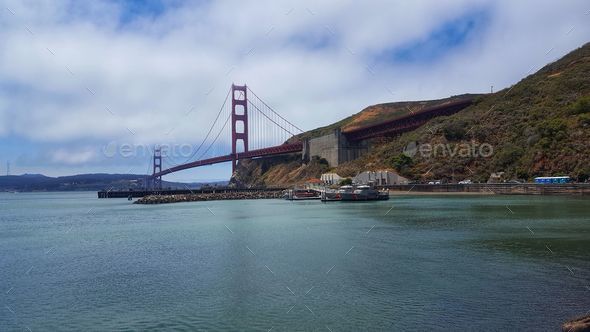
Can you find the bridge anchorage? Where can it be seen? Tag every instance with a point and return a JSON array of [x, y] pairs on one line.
[[256, 130]]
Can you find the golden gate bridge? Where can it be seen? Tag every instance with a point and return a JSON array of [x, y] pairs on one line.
[[256, 130]]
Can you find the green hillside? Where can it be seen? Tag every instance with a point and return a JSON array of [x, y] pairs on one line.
[[538, 127]]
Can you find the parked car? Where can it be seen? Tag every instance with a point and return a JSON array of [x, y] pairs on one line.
[[466, 181]]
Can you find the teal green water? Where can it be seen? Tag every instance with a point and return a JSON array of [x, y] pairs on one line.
[[72, 262]]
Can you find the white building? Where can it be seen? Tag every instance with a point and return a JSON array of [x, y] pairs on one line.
[[331, 178], [379, 178]]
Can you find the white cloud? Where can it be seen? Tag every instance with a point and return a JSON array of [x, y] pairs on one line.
[[309, 60], [72, 157]]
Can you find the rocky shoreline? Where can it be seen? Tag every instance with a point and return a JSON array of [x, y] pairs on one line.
[[197, 197]]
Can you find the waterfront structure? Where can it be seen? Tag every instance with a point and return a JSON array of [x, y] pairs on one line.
[[331, 178], [313, 183], [334, 147], [379, 178]]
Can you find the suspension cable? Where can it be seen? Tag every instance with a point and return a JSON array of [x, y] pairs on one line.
[[272, 110], [258, 122], [210, 130], [273, 121], [216, 137]]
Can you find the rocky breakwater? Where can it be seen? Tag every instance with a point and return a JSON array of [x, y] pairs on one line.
[[580, 324], [197, 197]]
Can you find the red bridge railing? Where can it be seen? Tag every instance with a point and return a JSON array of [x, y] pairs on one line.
[[406, 123]]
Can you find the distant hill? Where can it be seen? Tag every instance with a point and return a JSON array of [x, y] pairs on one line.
[[537, 127], [85, 182]]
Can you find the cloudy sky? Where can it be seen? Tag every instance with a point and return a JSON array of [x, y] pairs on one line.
[[79, 79]]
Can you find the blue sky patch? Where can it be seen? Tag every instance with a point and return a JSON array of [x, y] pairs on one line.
[[442, 40], [144, 8]]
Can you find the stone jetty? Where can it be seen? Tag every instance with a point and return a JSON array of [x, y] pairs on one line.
[[580, 324], [197, 197]]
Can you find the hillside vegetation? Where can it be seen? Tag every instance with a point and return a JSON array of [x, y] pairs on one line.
[[538, 127]]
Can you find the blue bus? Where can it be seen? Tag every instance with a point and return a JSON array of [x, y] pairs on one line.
[[552, 179]]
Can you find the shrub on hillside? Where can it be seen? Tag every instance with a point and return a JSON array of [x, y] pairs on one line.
[[522, 173], [455, 131], [554, 129], [585, 120], [508, 155], [581, 106], [401, 162], [481, 133]]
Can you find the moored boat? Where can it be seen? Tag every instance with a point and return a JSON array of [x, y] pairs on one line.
[[330, 196], [363, 193], [301, 194]]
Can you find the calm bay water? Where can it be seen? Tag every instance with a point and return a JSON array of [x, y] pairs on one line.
[[69, 261]]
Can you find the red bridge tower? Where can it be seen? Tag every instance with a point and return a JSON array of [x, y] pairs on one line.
[[157, 180], [239, 115]]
